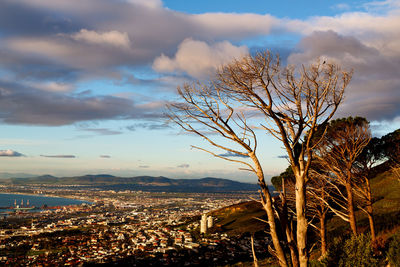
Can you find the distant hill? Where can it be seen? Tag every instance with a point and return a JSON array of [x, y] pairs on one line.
[[150, 183], [7, 175]]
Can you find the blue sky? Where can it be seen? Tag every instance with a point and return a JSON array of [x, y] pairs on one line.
[[83, 84], [291, 9]]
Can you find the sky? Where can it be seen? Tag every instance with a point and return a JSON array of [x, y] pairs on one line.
[[84, 84]]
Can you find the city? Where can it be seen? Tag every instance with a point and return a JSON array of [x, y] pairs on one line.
[[200, 133], [139, 228]]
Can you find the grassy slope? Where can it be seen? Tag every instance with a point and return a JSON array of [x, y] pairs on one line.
[[240, 218], [386, 191]]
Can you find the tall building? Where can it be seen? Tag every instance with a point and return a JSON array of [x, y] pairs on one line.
[[203, 224], [210, 222]]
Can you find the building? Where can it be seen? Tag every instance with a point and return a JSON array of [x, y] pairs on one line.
[[203, 224], [210, 222]]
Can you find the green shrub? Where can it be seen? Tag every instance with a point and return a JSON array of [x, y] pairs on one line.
[[316, 263], [335, 252], [358, 252], [353, 252], [393, 253]]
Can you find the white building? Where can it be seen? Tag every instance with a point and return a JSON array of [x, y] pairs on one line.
[[210, 222], [203, 224]]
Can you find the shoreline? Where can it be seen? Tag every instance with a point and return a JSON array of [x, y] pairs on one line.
[[45, 195]]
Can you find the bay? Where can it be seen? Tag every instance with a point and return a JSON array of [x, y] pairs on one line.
[[8, 200]]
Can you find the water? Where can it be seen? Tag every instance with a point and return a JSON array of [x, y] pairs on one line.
[[7, 200]]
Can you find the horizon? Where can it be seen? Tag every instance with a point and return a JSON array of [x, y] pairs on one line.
[[4, 175], [83, 88]]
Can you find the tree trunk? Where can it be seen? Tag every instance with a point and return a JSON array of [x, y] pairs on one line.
[[350, 207], [292, 245], [267, 205], [370, 211], [288, 228], [272, 228], [255, 261], [372, 227], [322, 231], [302, 223]]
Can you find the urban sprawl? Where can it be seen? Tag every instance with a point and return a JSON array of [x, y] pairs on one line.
[[123, 227]]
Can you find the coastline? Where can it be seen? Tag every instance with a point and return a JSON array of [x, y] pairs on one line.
[[45, 195]]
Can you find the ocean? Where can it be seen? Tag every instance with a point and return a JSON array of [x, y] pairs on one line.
[[8, 200]]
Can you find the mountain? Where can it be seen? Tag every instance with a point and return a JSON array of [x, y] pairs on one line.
[[7, 175], [147, 183]]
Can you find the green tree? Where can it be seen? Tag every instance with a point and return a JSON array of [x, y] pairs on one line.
[[336, 154], [287, 176], [391, 149]]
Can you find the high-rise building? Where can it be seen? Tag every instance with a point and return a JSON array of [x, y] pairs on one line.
[[203, 224], [210, 222]]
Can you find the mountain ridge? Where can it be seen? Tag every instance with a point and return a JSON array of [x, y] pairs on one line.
[[151, 183]]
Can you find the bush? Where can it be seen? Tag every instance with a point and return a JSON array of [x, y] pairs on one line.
[[335, 252], [316, 263], [358, 252], [393, 253], [354, 252]]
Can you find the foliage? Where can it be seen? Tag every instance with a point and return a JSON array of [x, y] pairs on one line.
[[358, 252], [287, 175], [393, 253], [277, 182], [355, 252], [317, 263], [335, 251], [391, 145]]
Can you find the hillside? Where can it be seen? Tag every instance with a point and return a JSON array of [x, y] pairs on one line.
[[386, 192], [240, 218], [149, 183]]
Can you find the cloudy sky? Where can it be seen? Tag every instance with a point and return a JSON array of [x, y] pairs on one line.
[[84, 83]]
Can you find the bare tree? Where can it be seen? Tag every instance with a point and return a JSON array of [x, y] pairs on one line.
[[337, 155], [207, 113], [255, 261], [284, 208], [318, 198], [366, 161], [396, 171], [293, 104]]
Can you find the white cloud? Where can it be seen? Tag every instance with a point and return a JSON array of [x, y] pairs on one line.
[[53, 86], [198, 59], [382, 5], [40, 47], [379, 31], [374, 90], [85, 38], [341, 6], [147, 3], [61, 50], [233, 25], [10, 153], [59, 156], [184, 166], [112, 38]]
